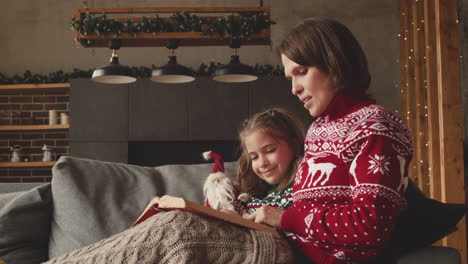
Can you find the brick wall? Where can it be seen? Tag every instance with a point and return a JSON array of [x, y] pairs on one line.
[[31, 108]]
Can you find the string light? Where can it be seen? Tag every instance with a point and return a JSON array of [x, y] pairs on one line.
[[414, 113]]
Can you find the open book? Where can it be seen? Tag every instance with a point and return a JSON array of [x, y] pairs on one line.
[[167, 202]]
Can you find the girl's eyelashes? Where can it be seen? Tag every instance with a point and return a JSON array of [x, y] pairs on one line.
[[270, 150]]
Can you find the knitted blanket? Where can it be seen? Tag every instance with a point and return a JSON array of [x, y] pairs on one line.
[[181, 237]]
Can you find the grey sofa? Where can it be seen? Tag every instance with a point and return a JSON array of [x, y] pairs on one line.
[[89, 200]]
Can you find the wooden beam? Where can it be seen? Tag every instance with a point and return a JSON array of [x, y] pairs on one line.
[[403, 63], [420, 94], [160, 39], [144, 10], [432, 100], [450, 114], [410, 85]]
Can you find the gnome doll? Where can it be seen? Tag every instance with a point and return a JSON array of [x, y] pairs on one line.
[[219, 190]]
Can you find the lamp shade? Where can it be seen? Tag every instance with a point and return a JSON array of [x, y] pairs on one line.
[[172, 72], [235, 72], [113, 73]]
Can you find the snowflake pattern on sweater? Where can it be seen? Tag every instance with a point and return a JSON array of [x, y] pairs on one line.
[[348, 190], [281, 199]]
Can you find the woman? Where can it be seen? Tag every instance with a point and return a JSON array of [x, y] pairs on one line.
[[348, 191]]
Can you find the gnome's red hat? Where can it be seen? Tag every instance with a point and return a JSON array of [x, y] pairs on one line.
[[218, 166]]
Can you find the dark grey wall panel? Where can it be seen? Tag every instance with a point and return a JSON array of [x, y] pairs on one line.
[[275, 91], [99, 112], [216, 110], [107, 151], [158, 111]]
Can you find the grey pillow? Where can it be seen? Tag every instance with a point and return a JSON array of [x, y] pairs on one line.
[[25, 225], [96, 199]]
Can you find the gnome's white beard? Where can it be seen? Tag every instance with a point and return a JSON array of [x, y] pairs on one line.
[[219, 192]]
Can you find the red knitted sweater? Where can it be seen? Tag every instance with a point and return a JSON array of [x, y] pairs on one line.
[[348, 191]]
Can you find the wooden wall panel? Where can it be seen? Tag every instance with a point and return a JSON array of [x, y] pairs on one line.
[[450, 113], [431, 102], [420, 101]]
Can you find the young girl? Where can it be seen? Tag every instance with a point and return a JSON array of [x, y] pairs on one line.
[[271, 143]]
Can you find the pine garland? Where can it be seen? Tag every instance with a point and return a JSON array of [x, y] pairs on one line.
[[242, 25], [137, 72]]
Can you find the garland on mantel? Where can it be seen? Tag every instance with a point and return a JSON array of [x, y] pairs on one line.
[[242, 25], [137, 72]]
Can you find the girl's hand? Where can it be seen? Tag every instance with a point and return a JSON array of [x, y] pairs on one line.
[[267, 215]]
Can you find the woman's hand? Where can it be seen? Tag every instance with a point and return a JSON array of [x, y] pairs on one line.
[[267, 215]]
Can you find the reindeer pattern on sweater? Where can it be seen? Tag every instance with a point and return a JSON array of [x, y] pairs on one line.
[[348, 190]]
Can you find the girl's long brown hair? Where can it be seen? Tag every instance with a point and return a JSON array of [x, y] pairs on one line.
[[279, 124]]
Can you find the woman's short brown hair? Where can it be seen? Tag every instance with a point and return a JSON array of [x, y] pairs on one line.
[[330, 46]]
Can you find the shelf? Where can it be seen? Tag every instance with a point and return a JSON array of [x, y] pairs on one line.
[[46, 87], [160, 39], [34, 127], [27, 164]]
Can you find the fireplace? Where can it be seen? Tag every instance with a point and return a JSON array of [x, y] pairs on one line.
[[157, 153]]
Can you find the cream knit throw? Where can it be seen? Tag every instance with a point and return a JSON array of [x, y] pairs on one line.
[[177, 237]]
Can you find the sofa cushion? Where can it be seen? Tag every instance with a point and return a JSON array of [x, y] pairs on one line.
[[431, 255], [96, 199], [25, 225], [424, 222]]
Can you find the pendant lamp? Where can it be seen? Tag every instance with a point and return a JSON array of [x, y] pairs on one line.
[[235, 72], [113, 73], [172, 72]]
